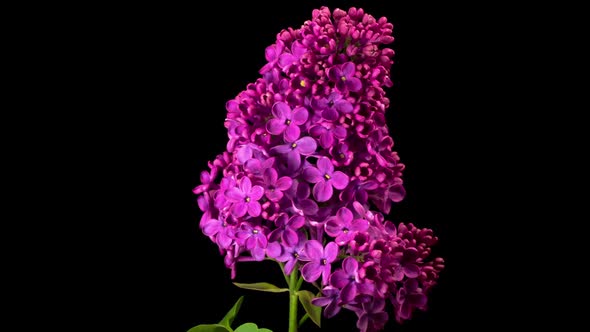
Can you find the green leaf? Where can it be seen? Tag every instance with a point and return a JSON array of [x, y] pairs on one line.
[[231, 314], [209, 328], [247, 327], [314, 312], [262, 286], [264, 330]]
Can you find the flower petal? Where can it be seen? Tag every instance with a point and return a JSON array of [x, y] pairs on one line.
[[300, 115], [306, 145], [312, 175], [284, 148], [270, 176], [254, 208], [276, 126], [283, 183], [348, 293], [314, 250], [322, 191], [411, 270], [293, 160], [212, 227], [350, 265], [274, 195], [339, 180], [343, 106], [359, 225], [332, 309], [289, 237], [339, 279], [335, 73], [353, 84], [274, 250], [290, 265], [331, 252], [292, 132], [239, 209], [296, 222], [316, 131], [321, 301], [256, 193], [330, 114], [326, 140], [246, 185], [334, 227], [281, 111], [287, 59], [311, 271], [325, 166], [345, 215], [234, 195], [348, 69]]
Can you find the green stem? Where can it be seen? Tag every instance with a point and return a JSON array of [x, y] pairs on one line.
[[303, 319], [293, 301]]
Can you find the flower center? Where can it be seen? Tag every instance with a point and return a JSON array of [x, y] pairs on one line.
[[247, 199], [296, 255], [294, 145], [288, 122], [341, 155], [345, 230], [327, 176], [254, 231], [331, 103], [324, 261], [302, 83], [343, 78]]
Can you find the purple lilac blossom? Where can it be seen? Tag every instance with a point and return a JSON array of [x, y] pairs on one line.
[[309, 162]]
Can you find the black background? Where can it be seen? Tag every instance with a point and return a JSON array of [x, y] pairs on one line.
[[163, 76]]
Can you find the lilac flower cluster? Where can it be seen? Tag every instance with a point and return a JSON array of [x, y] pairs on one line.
[[308, 156]]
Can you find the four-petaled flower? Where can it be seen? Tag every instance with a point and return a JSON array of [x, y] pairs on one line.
[[343, 228], [348, 281], [245, 198], [332, 106], [343, 75], [320, 261], [286, 122], [330, 299], [288, 254], [253, 239], [275, 185], [287, 229], [324, 178], [293, 150]]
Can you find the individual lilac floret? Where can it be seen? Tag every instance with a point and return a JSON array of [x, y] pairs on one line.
[[293, 151], [328, 135], [287, 122], [343, 75], [288, 254], [272, 54], [343, 227], [347, 279], [372, 317], [332, 106], [275, 185], [287, 229], [245, 198], [253, 239], [324, 178], [320, 261], [408, 298], [329, 300]]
